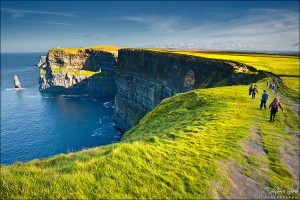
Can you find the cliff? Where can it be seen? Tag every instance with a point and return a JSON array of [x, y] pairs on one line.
[[144, 78], [80, 71], [139, 80]]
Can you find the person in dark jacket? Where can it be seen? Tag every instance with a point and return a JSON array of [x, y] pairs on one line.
[[254, 91], [264, 98], [250, 89], [274, 108]]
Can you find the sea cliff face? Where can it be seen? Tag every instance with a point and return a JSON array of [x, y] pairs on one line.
[[144, 78], [78, 72]]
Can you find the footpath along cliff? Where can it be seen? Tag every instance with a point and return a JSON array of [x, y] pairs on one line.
[[139, 79]]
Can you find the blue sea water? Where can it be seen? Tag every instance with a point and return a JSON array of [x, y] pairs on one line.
[[37, 125]]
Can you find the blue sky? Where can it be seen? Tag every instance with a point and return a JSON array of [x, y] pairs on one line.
[[224, 25]]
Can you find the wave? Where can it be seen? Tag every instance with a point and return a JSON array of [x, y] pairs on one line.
[[16, 89], [100, 121], [105, 117], [117, 136], [70, 95], [97, 132], [108, 104]]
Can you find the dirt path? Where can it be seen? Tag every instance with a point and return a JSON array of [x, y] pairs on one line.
[[290, 152], [245, 187]]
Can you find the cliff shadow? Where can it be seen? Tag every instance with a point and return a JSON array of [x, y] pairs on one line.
[[96, 86]]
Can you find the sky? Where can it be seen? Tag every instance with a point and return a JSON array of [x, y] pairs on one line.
[[37, 26]]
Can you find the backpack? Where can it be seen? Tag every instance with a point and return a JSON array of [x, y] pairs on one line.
[[254, 90], [265, 96], [275, 105]]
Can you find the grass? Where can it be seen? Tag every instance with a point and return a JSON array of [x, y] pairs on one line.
[[73, 72], [83, 72], [176, 151], [292, 82], [111, 49], [42, 72], [277, 64]]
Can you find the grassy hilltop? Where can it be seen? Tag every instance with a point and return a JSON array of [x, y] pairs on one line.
[[206, 143], [111, 49]]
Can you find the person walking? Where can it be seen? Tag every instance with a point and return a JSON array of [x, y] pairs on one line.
[[264, 98], [254, 91], [250, 89], [274, 108]]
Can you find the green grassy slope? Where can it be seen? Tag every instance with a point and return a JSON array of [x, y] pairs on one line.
[[277, 64], [179, 150]]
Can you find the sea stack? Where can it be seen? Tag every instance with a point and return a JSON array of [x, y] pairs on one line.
[[17, 82]]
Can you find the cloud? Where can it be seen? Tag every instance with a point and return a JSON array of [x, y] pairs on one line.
[[295, 45], [49, 23], [92, 36], [276, 25], [252, 29], [18, 13], [58, 23], [135, 19], [157, 24]]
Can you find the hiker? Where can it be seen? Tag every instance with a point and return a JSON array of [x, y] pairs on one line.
[[254, 91], [273, 87], [274, 105], [250, 89], [264, 98], [267, 83], [270, 86]]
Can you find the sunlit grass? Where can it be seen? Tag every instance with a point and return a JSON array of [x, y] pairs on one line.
[[111, 49], [292, 82], [277, 64], [73, 72]]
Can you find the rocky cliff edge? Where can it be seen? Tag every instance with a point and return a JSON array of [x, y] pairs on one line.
[[79, 71]]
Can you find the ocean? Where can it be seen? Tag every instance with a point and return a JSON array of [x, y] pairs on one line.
[[37, 125]]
